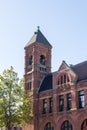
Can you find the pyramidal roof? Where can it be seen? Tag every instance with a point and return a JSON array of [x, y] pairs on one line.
[[38, 37]]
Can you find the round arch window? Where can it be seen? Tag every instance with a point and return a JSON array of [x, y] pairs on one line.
[[49, 126], [42, 60], [84, 125], [66, 125]]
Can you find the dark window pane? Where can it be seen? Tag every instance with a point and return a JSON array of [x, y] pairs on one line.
[[44, 106], [51, 105], [69, 99], [81, 99], [30, 60], [64, 78], [61, 103], [61, 79], [29, 86]]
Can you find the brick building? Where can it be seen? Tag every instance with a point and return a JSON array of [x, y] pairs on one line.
[[59, 99]]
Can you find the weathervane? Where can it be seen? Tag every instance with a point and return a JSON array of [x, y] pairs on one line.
[[38, 27]]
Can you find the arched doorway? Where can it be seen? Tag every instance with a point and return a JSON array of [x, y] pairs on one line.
[[84, 125], [66, 125], [49, 126]]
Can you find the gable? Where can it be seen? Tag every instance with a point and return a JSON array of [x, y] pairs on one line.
[[64, 69], [63, 66]]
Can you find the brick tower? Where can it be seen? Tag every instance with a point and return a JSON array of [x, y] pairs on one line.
[[59, 99], [37, 66]]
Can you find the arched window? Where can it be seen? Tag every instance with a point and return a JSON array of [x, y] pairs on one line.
[[84, 125], [42, 60], [66, 125], [49, 126], [30, 60]]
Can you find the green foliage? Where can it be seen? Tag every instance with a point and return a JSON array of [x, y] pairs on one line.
[[26, 109], [14, 103]]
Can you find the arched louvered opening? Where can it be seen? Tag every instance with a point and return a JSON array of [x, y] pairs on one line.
[[66, 125], [49, 126], [84, 125], [42, 60]]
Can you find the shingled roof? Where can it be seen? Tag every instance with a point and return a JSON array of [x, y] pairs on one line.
[[46, 83], [81, 71], [38, 37]]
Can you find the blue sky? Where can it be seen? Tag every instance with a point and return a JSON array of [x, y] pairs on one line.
[[63, 22]]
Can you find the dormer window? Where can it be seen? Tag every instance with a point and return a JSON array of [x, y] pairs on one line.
[[30, 60], [63, 79], [42, 60]]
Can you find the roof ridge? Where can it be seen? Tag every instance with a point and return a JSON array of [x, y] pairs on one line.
[[79, 64]]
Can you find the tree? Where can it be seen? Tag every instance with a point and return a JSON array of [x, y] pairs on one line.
[[15, 108]]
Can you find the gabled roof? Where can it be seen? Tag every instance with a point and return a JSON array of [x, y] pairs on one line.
[[81, 70], [46, 83], [63, 66], [38, 37]]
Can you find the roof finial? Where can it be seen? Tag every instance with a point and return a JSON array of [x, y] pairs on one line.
[[38, 27]]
